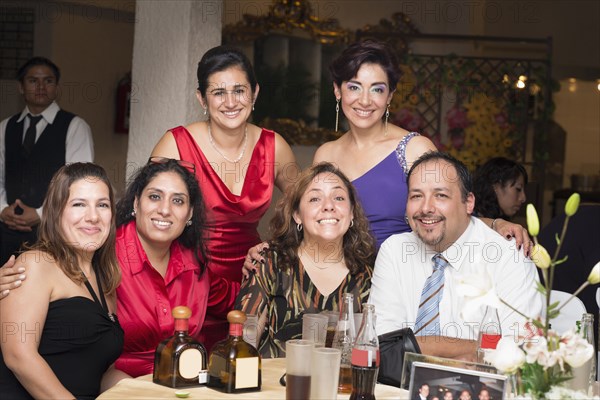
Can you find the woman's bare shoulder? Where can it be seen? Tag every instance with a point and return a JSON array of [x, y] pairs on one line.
[[36, 261], [330, 151]]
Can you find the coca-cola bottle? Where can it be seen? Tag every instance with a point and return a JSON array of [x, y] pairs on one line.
[[365, 357], [343, 340], [490, 332]]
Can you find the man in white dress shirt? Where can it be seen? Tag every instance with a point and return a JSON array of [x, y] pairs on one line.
[[34, 144], [439, 207]]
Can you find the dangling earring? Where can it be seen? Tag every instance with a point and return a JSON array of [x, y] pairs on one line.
[[299, 227], [387, 116], [133, 213], [252, 106], [189, 223], [351, 223], [206, 111], [337, 113], [406, 219]]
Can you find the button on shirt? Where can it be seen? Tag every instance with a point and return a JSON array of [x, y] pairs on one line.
[[404, 263]]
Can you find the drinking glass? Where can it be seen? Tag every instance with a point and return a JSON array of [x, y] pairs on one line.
[[325, 366], [297, 364], [314, 327], [333, 317]]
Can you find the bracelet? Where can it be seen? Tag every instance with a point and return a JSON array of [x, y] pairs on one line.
[[494, 224]]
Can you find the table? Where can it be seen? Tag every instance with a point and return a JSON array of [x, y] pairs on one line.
[[272, 369]]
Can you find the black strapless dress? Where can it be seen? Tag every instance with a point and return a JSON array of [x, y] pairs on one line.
[[79, 342]]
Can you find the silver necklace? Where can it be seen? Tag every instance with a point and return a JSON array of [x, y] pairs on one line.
[[213, 144]]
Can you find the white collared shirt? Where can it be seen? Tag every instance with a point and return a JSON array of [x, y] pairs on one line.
[[79, 142], [404, 263]]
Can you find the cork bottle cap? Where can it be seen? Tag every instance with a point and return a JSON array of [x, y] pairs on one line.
[[236, 317], [181, 312]]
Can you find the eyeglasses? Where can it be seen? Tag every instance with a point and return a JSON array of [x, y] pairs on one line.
[[183, 163]]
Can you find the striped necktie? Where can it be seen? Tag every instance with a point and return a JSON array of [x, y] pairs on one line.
[[428, 316]]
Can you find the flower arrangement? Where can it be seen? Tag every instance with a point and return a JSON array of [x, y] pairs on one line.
[[543, 361]]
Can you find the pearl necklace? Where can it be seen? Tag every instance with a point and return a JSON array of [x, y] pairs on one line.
[[213, 144]]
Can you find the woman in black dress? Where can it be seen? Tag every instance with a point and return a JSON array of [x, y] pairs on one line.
[[60, 333]]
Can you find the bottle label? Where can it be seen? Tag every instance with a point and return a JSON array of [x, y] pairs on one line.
[[246, 372], [365, 358], [489, 341], [190, 363]]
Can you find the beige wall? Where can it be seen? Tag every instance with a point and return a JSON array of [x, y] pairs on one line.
[[578, 112], [92, 45]]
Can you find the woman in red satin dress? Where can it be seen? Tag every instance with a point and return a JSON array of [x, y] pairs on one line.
[[237, 163]]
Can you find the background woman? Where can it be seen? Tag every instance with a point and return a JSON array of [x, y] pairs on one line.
[[499, 187], [69, 297], [320, 250]]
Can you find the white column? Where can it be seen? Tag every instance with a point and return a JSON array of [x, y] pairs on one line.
[[170, 38]]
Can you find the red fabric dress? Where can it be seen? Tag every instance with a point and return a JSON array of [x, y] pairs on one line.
[[145, 299], [232, 219]]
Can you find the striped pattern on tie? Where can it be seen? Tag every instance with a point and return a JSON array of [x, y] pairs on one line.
[[428, 316]]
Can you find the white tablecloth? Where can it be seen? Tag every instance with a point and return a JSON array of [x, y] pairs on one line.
[[272, 369]]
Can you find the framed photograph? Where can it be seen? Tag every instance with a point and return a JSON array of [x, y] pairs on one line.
[[441, 382], [410, 358]]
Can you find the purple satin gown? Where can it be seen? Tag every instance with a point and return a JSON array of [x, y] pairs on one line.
[[383, 191]]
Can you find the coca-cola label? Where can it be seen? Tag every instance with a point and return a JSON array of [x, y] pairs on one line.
[[365, 358], [489, 341]]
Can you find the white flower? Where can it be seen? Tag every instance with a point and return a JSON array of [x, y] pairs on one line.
[[507, 357], [477, 290], [575, 350], [594, 277], [536, 351], [560, 393]]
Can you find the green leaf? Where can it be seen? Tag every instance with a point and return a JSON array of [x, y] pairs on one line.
[[553, 314], [538, 324], [562, 260], [540, 288]]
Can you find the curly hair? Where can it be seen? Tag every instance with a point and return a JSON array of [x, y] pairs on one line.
[[497, 171], [51, 238], [358, 244], [194, 235]]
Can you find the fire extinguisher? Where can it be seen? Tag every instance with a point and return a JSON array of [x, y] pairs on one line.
[[123, 104]]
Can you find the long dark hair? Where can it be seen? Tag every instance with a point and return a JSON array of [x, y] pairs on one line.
[[358, 244], [194, 235], [500, 171], [51, 238]]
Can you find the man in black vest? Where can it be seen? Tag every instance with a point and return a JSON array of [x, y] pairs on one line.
[[34, 144]]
